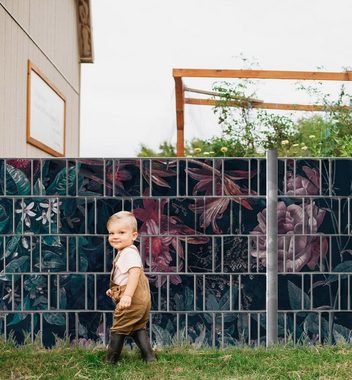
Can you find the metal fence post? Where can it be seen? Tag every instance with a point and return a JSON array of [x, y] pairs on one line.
[[271, 247]]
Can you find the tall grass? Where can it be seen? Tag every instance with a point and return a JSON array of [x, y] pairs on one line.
[[67, 361]]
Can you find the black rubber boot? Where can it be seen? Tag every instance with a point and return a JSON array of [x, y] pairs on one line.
[[115, 347], [142, 341]]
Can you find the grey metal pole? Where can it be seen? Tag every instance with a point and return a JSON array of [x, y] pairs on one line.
[[271, 247]]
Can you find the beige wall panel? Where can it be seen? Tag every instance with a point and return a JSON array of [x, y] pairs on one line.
[[2, 77], [33, 152], [72, 134], [66, 34], [19, 9], [13, 83], [15, 50], [53, 26]]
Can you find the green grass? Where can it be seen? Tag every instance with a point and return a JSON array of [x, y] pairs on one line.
[[180, 362]]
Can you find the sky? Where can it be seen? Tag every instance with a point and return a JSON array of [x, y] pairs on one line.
[[128, 96]]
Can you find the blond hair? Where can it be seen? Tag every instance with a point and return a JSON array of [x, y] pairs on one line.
[[123, 215]]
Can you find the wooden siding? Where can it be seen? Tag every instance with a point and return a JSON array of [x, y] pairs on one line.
[[53, 25], [19, 9], [46, 33]]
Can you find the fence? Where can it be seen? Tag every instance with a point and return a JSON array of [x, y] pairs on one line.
[[202, 225]]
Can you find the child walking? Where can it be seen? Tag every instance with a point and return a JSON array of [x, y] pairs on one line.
[[129, 289]]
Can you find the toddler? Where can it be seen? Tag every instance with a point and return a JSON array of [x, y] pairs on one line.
[[129, 289]]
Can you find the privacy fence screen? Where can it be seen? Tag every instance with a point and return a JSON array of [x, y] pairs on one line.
[[202, 226]]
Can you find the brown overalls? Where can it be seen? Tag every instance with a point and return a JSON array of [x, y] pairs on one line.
[[136, 316]]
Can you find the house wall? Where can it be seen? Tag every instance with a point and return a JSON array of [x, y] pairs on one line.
[[44, 32]]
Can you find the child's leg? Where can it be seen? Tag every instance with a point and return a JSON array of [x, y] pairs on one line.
[[142, 341], [115, 347]]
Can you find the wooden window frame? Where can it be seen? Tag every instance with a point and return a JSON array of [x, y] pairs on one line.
[[30, 139]]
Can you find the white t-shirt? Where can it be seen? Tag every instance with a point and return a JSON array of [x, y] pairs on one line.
[[128, 258]]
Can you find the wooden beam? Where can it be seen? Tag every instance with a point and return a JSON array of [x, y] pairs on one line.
[[271, 106], [263, 74], [180, 118]]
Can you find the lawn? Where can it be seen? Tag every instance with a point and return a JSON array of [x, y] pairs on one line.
[[179, 362]]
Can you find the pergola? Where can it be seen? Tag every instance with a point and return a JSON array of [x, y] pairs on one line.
[[181, 100]]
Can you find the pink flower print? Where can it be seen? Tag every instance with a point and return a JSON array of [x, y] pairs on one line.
[[294, 250], [298, 185]]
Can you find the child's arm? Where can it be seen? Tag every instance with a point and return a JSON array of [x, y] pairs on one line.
[[133, 277]]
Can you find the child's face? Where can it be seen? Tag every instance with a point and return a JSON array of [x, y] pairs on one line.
[[121, 234]]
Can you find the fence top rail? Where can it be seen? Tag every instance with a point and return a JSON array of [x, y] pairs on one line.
[[170, 158]]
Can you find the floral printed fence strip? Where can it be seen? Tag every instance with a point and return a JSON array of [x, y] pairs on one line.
[[202, 226]]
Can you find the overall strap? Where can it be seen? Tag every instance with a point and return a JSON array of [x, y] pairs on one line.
[[114, 265]]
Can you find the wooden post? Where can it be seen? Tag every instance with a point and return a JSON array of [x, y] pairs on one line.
[[180, 117]]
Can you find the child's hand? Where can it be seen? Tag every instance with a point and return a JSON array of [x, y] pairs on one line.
[[109, 293], [125, 302]]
